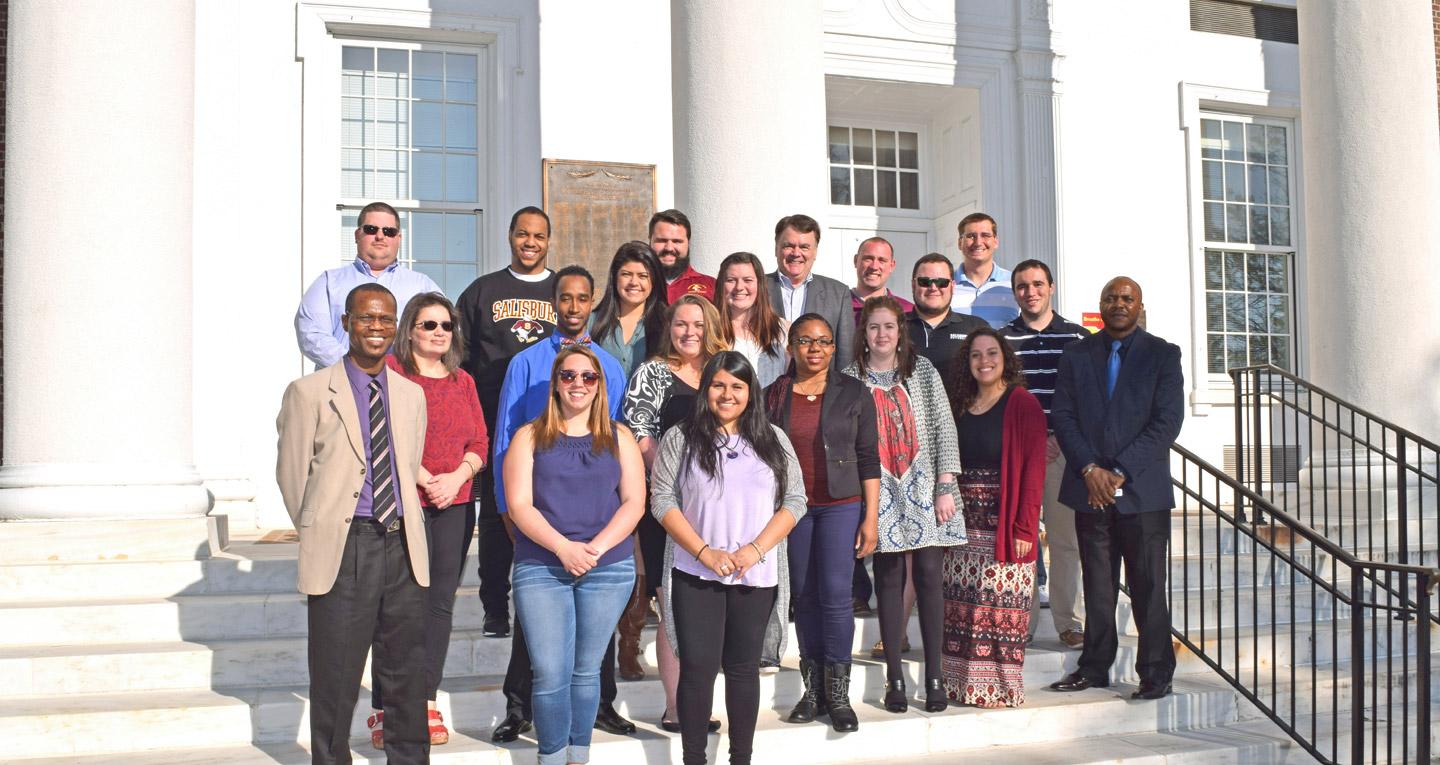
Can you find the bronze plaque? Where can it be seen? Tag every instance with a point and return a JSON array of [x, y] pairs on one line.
[[594, 208]]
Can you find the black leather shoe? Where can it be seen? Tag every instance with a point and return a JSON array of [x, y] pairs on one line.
[[510, 729], [935, 700], [1151, 691], [674, 727], [895, 699], [610, 721], [837, 688], [810, 705], [1077, 682], [496, 626]]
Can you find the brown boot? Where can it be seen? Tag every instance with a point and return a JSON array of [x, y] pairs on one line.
[[632, 621]]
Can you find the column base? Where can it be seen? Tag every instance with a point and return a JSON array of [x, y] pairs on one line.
[[80, 491]]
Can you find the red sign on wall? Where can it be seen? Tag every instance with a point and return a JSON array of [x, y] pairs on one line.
[[1092, 321]]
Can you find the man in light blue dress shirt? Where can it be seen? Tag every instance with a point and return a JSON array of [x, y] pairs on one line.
[[982, 287], [377, 245]]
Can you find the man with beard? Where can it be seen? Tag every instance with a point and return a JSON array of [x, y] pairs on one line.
[[670, 239]]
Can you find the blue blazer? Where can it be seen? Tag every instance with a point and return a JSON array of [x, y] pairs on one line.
[[1131, 431]]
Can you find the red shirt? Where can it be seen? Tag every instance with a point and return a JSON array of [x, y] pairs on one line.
[[454, 424], [691, 282], [858, 304], [809, 442]]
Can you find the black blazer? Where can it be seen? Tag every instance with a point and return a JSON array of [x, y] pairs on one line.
[[1131, 431], [847, 428]]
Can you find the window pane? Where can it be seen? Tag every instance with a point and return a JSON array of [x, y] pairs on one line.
[[394, 134], [459, 126], [429, 75], [1214, 312], [863, 147], [1213, 181], [1280, 226], [910, 151], [1255, 273], [426, 181], [1235, 223], [885, 149], [457, 277], [1235, 349], [434, 270], [1210, 141], [1214, 222], [1279, 279], [1279, 185], [1257, 315], [1234, 182], [1279, 311], [1259, 349], [910, 191], [1280, 351], [349, 220], [864, 186], [460, 177], [393, 73], [1278, 154], [354, 178], [840, 185], [353, 121], [426, 235], [1215, 353], [392, 176], [1234, 271], [1255, 143], [1214, 271], [886, 193], [356, 59], [1260, 225], [460, 239], [839, 144], [1257, 184], [428, 128], [460, 77], [1234, 141], [1234, 312]]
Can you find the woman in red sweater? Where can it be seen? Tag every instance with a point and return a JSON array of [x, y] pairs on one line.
[[428, 350], [988, 582]]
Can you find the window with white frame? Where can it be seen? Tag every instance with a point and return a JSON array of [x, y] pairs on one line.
[[410, 136], [874, 168], [1249, 233]]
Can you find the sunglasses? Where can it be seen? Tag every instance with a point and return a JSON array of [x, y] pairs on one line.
[[938, 282], [588, 378], [429, 326], [389, 231]]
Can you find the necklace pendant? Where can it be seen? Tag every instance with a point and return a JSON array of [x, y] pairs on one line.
[[810, 397]]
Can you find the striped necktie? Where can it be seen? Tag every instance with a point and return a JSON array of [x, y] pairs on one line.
[[382, 483]]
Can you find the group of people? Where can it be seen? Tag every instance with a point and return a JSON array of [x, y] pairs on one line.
[[734, 449]]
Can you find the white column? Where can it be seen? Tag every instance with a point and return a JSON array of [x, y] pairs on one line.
[[97, 273], [1372, 194], [749, 115], [1039, 86]]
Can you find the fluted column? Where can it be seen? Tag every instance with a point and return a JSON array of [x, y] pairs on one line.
[[1372, 193], [98, 258], [749, 116]]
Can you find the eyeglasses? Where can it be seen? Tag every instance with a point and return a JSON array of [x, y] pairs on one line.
[[389, 231], [568, 376], [365, 318], [823, 342], [429, 326], [938, 282]]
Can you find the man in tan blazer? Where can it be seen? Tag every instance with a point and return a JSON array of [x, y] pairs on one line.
[[351, 437]]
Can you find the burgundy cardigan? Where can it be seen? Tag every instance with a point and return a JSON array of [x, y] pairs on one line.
[[1022, 475]]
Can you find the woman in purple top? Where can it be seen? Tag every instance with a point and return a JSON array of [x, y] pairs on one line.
[[727, 488], [575, 485]]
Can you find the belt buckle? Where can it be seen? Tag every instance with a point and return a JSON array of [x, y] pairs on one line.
[[394, 525]]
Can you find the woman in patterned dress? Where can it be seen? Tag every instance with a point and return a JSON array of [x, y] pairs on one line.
[[918, 461], [989, 579]]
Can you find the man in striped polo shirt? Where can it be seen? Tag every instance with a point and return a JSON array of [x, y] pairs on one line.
[[1038, 335]]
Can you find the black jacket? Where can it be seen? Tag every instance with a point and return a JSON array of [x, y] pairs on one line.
[[848, 429]]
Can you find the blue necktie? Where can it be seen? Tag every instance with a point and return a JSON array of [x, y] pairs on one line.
[[1112, 368]]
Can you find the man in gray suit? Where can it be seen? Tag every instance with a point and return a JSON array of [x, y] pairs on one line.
[[794, 290]]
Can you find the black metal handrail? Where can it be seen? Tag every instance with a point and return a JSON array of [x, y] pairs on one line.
[[1367, 484], [1327, 645]]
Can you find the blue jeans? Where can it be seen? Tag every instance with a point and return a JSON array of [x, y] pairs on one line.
[[822, 562], [567, 624]]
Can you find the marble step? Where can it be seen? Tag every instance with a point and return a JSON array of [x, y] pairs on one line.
[[84, 541]]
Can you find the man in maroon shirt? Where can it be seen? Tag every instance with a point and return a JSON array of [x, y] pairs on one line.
[[670, 239], [874, 262]]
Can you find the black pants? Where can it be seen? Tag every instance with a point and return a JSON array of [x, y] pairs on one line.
[[929, 600], [860, 587], [375, 595], [718, 626], [448, 533], [520, 676], [1106, 538], [495, 551]]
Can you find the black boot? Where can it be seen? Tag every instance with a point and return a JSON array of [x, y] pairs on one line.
[[837, 687], [935, 700], [895, 697], [812, 702]]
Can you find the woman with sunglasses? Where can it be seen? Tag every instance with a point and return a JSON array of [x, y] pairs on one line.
[[575, 487], [830, 421], [748, 322], [428, 351], [630, 319], [727, 488], [661, 394], [918, 459]]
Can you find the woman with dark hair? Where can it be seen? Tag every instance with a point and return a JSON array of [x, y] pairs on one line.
[[830, 421], [918, 462], [748, 322], [631, 316], [429, 347], [662, 392], [727, 488], [575, 487], [989, 579]]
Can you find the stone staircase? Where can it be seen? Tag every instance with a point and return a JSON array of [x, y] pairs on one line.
[[165, 642]]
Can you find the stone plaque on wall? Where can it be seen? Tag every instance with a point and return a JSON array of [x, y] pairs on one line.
[[594, 208]]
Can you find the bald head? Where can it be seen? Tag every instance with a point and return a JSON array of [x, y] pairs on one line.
[[1120, 306]]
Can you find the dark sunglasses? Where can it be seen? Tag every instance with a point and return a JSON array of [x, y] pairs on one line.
[[939, 282], [429, 326], [389, 231], [588, 378]]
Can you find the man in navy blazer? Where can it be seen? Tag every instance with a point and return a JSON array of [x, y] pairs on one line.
[[1118, 406]]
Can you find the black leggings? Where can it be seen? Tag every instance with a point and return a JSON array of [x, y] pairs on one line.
[[929, 599], [718, 626]]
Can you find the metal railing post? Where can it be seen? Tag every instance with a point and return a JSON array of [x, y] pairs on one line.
[[1357, 665], [1422, 674]]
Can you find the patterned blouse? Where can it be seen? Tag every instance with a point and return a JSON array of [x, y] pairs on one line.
[[646, 400], [917, 444]]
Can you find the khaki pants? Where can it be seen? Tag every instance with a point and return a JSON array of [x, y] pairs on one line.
[[1067, 601]]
